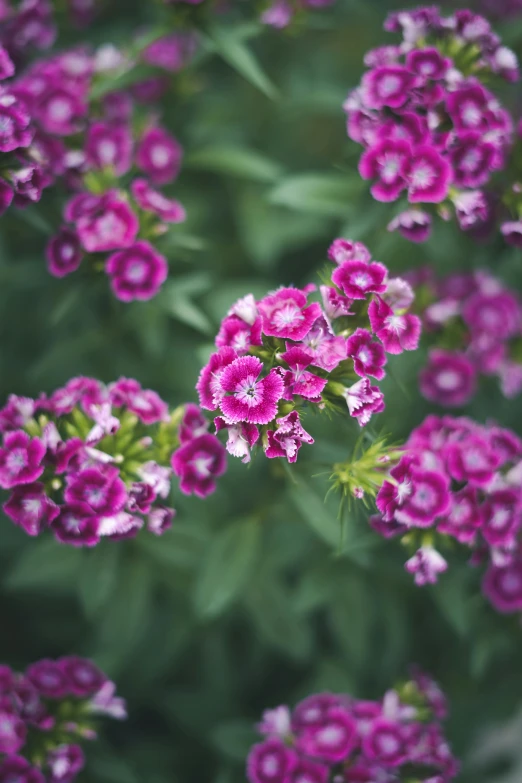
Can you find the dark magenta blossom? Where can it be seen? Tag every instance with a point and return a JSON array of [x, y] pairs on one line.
[[48, 679], [64, 253], [110, 226], [449, 379], [137, 272], [333, 739], [20, 459], [109, 146], [159, 156], [384, 743], [103, 491], [236, 333], [386, 161], [428, 176], [397, 332], [245, 397], [472, 460], [65, 762], [286, 315], [286, 439], [84, 677], [151, 200], [193, 423], [77, 524], [241, 437], [357, 279], [387, 85], [368, 356], [428, 499], [298, 380], [426, 565], [512, 232], [342, 250], [16, 768], [198, 464], [208, 386], [502, 517], [502, 585], [413, 224], [12, 732], [363, 400], [30, 508]]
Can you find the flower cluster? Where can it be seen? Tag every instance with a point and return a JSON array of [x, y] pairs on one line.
[[330, 737], [476, 324], [27, 27], [92, 461], [461, 480], [430, 128], [282, 353], [46, 712]]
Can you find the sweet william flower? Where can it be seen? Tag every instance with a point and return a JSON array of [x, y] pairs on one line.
[[448, 379], [286, 439], [84, 677], [512, 232], [109, 146], [16, 768], [65, 762], [286, 315], [238, 334], [413, 224], [103, 491], [368, 356], [20, 459], [503, 586], [342, 250], [193, 424], [137, 272], [6, 196], [363, 400], [357, 279], [198, 463], [332, 740], [77, 524], [397, 332], [426, 564], [151, 200], [387, 162], [270, 762], [246, 398], [30, 508], [309, 771], [64, 253], [12, 732], [111, 225], [208, 386], [48, 679], [159, 156], [241, 437], [384, 743], [298, 380]]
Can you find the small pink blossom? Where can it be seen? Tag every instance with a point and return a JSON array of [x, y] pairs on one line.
[[30, 508], [111, 226], [285, 314], [363, 400], [64, 253], [198, 463], [342, 250], [20, 459], [151, 200], [246, 398], [137, 272], [286, 439], [159, 155], [357, 279], [241, 437], [368, 356], [397, 333], [426, 564]]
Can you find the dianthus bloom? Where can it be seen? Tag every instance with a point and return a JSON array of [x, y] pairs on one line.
[[283, 354], [432, 132], [280, 13], [337, 737], [460, 479], [46, 712], [482, 320], [94, 461]]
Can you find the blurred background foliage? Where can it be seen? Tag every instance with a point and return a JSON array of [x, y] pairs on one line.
[[255, 597]]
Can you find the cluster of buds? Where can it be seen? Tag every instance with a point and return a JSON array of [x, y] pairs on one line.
[[430, 127], [459, 480], [46, 712], [476, 325], [330, 737], [94, 461], [283, 353]]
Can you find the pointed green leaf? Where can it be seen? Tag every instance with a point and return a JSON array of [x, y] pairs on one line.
[[325, 194], [236, 162], [232, 49]]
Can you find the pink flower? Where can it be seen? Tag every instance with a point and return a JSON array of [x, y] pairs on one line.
[[448, 379], [141, 497], [145, 403], [428, 63], [239, 335], [498, 314], [285, 314], [468, 107], [414, 225], [64, 253], [103, 491], [387, 161], [112, 225], [84, 678], [275, 722], [150, 200], [335, 304], [30, 508], [426, 564], [208, 385], [286, 439], [387, 85], [59, 111], [298, 380], [502, 515], [270, 762], [12, 732], [77, 524], [363, 400], [503, 587], [471, 460], [109, 146], [241, 437], [48, 679], [384, 743], [198, 463], [465, 517], [342, 250], [397, 333], [472, 160], [428, 176], [512, 232], [170, 52], [247, 398], [313, 710], [20, 459], [16, 768], [64, 763], [328, 351], [428, 499], [357, 279], [138, 272], [193, 424], [160, 519], [368, 356], [306, 771], [159, 156], [333, 740]]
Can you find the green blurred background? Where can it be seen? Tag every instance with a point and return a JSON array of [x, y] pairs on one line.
[[253, 599]]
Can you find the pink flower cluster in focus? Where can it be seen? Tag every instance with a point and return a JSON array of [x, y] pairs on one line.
[[46, 712], [283, 353], [460, 479], [431, 129], [330, 737], [93, 461]]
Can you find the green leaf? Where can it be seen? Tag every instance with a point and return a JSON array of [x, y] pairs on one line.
[[98, 576], [325, 194], [232, 49], [234, 738], [235, 161], [316, 513], [277, 620], [226, 569], [46, 565], [180, 547]]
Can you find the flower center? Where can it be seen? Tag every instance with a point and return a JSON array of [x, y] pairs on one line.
[[16, 460], [389, 85], [287, 315], [470, 114], [448, 380], [423, 176], [137, 272], [60, 109], [106, 151], [159, 155]]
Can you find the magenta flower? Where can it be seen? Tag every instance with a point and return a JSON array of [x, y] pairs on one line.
[[332, 740], [241, 437], [342, 250], [368, 356], [357, 279], [30, 508], [16, 768], [497, 314], [15, 128], [363, 400], [48, 679], [270, 762], [512, 232], [448, 379], [286, 439], [141, 497], [160, 519], [193, 423], [397, 333], [285, 314], [64, 253], [60, 110], [328, 351], [468, 107], [170, 52], [335, 304], [77, 524], [298, 380], [111, 226], [246, 398], [159, 156], [472, 160], [145, 403], [103, 491], [235, 333], [12, 732], [503, 586], [109, 146], [428, 63], [208, 385], [84, 678], [309, 771], [465, 517], [502, 515], [429, 498], [313, 711], [471, 460], [151, 200], [276, 722], [414, 225], [386, 161], [387, 86], [384, 743], [198, 463], [65, 762], [426, 564], [428, 176], [138, 272], [20, 459]]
